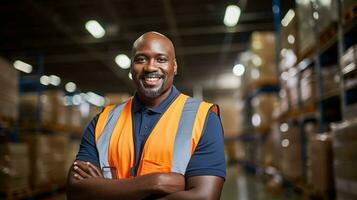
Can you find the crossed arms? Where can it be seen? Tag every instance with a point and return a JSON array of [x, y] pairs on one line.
[[85, 181]]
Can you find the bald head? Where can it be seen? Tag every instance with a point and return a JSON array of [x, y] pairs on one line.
[[155, 38]]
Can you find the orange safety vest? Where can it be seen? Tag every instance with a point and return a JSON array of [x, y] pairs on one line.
[[168, 148]]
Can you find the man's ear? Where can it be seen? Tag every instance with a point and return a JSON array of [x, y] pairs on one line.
[[175, 67]]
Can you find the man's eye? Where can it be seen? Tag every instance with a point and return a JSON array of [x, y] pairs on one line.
[[161, 60], [140, 59]]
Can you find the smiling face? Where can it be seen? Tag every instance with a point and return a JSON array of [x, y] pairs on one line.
[[154, 65]]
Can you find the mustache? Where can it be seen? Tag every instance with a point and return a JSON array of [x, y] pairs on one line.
[[152, 75]]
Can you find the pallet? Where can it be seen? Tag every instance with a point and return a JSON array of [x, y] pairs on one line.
[[7, 122], [309, 106], [16, 194], [350, 14], [327, 34], [312, 193]]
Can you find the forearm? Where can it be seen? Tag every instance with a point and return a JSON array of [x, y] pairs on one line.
[[199, 188], [106, 189]]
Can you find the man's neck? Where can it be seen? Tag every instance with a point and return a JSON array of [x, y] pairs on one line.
[[154, 102]]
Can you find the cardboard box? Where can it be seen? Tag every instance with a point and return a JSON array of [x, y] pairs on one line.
[[14, 165], [8, 90], [263, 106], [291, 161], [307, 39], [49, 105], [320, 168], [345, 164], [308, 86], [327, 14]]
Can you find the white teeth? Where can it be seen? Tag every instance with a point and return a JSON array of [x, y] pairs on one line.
[[151, 79]]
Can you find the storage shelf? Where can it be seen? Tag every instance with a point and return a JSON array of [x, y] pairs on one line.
[[330, 95]]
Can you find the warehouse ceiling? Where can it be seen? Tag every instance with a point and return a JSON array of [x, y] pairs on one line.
[[53, 33]]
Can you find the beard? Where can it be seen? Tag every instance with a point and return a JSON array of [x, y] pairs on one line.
[[151, 92]]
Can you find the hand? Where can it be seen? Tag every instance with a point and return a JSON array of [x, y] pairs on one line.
[[84, 170], [170, 183]]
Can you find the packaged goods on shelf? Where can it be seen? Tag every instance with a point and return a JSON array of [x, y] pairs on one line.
[[308, 86], [349, 59], [348, 6], [284, 99], [293, 90], [345, 164], [49, 105], [229, 110], [320, 168], [330, 79], [233, 150], [263, 58], [74, 117], [289, 49], [263, 106], [275, 138], [291, 161], [14, 165], [260, 43], [116, 98], [93, 111], [72, 150], [306, 30], [327, 14], [8, 90], [47, 154]]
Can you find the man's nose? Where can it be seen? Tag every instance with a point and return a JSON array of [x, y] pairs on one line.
[[151, 66]]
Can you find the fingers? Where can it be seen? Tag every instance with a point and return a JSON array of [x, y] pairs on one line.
[[77, 176], [84, 170], [81, 172], [94, 170]]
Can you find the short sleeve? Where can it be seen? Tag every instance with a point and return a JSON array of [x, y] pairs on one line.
[[208, 158], [87, 149]]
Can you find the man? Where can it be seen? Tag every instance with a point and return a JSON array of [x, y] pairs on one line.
[[160, 144]]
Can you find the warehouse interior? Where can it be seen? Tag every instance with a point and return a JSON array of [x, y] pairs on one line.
[[282, 71]]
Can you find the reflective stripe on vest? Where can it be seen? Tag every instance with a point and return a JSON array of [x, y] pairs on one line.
[[168, 147]]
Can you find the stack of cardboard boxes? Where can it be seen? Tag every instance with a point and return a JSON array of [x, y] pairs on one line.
[[14, 167], [291, 160], [8, 90], [345, 154], [49, 108], [263, 106]]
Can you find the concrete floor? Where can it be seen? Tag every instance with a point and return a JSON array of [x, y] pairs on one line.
[[243, 186]]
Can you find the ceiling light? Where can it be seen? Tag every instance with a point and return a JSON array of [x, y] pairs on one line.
[[22, 66], [238, 70], [45, 80], [123, 61], [94, 28], [284, 127], [231, 15], [257, 61], [77, 99], [287, 18], [291, 39], [256, 120], [95, 99], [285, 143], [55, 80], [315, 15], [70, 87]]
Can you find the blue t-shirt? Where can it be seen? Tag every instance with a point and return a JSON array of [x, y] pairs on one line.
[[208, 158]]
